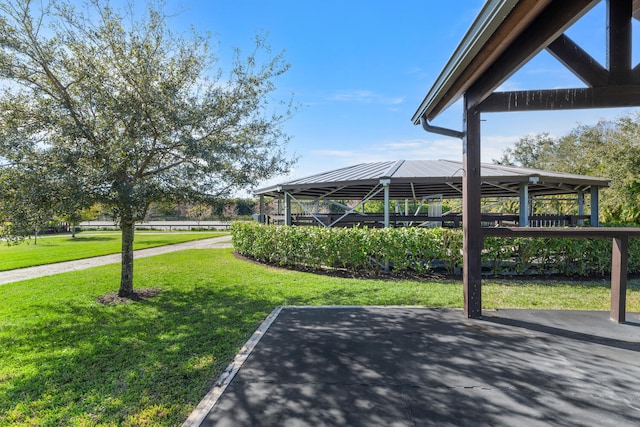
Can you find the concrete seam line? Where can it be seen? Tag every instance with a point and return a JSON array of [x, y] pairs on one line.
[[210, 399]]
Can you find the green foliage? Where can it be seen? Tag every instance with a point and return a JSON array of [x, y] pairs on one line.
[[134, 112], [606, 149], [26, 198], [356, 248], [420, 250], [530, 151], [199, 211]]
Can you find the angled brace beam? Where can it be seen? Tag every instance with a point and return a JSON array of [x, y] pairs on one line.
[[324, 196], [304, 208], [369, 196], [502, 187], [459, 190], [578, 61], [345, 207]]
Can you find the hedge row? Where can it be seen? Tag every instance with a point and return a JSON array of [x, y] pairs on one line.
[[422, 250]]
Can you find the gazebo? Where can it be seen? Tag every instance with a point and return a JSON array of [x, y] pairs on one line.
[[505, 35], [417, 180]]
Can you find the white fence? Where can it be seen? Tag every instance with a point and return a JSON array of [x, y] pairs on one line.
[[160, 225]]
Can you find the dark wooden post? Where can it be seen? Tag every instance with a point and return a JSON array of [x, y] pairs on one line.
[[619, 259], [619, 40], [471, 221]]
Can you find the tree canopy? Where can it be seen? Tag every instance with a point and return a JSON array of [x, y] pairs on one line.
[[609, 149], [134, 112]]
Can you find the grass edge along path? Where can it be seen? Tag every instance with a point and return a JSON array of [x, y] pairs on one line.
[[51, 250], [67, 360]]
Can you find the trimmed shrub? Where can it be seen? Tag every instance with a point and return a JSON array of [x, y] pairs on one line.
[[422, 250]]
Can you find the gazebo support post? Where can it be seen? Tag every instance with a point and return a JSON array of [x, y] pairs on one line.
[[595, 207], [261, 213], [524, 205], [385, 183], [287, 209], [580, 206], [471, 218]]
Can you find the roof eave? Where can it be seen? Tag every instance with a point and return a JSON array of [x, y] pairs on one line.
[[492, 15]]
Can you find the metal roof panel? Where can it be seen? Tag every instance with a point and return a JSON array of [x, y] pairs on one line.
[[424, 177]]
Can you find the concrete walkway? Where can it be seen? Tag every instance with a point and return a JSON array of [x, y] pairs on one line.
[[404, 366], [82, 264]]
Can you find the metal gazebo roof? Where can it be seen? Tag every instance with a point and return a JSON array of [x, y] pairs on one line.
[[413, 179]]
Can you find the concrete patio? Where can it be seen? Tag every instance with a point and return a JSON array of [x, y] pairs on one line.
[[403, 366]]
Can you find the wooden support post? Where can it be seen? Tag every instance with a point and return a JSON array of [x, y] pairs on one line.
[[619, 259], [471, 218], [619, 40]]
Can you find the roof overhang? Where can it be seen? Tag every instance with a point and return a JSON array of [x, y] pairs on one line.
[[492, 35]]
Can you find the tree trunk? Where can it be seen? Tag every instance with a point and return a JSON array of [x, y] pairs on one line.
[[73, 231], [126, 279]]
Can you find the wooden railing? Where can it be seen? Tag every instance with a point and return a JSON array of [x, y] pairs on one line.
[[451, 220], [619, 259]]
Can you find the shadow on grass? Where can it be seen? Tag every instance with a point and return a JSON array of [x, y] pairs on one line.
[[119, 365], [84, 239]]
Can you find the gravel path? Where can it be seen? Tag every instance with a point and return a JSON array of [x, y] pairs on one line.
[[82, 264]]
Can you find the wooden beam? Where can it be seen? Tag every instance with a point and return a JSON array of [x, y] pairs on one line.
[[594, 220], [562, 99], [619, 13], [578, 61], [472, 239], [546, 28], [619, 254], [619, 261], [574, 232]]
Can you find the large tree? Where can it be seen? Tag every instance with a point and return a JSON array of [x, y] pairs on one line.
[[145, 114], [608, 149], [530, 151]]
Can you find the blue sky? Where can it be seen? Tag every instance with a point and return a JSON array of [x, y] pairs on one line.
[[359, 70]]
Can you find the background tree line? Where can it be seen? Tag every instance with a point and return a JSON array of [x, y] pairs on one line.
[[609, 149]]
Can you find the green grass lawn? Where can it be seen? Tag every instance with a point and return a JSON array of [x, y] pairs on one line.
[[67, 360], [49, 250]]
